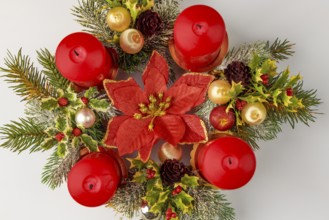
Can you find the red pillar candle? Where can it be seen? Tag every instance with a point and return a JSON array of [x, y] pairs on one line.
[[82, 59], [200, 40], [226, 162], [94, 179]]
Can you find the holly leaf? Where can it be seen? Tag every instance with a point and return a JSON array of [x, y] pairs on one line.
[[269, 67], [281, 80], [62, 124], [51, 132], [140, 177], [49, 103], [236, 89], [190, 181], [275, 96], [136, 162], [293, 80], [61, 150], [48, 143], [136, 9], [160, 202], [154, 184], [183, 201], [91, 92], [89, 142], [100, 105], [60, 92], [114, 3], [76, 142]]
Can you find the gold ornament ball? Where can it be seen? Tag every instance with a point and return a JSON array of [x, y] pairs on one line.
[[218, 92], [131, 41], [85, 117], [168, 151], [118, 19], [254, 113]]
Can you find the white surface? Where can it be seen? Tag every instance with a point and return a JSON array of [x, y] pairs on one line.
[[292, 177]]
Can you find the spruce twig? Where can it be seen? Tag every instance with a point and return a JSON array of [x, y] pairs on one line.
[[26, 79], [22, 135], [47, 60], [56, 170], [280, 50]]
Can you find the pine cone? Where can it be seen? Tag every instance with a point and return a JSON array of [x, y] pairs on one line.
[[238, 72], [149, 23], [172, 171]]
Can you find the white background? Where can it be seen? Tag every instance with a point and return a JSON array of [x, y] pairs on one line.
[[292, 177]]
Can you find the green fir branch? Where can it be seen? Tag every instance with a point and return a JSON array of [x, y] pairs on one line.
[[22, 135], [56, 170], [280, 50], [209, 204], [25, 78], [91, 14], [47, 60]]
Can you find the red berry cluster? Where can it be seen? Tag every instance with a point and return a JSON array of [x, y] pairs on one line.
[[265, 79], [150, 173], [85, 100], [239, 104], [170, 214], [59, 136], [289, 92], [177, 190], [76, 132], [62, 102]]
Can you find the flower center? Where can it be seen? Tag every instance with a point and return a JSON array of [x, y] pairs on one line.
[[155, 108]]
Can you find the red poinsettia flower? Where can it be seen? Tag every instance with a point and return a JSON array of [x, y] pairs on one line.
[[157, 112]]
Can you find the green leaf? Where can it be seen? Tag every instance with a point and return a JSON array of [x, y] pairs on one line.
[[62, 124], [76, 142], [269, 67], [183, 201], [49, 103], [154, 184], [136, 162], [91, 92], [61, 150], [275, 96], [114, 3], [236, 89], [140, 177], [293, 80], [48, 143], [158, 206], [281, 80], [100, 105], [136, 9], [190, 181], [89, 142]]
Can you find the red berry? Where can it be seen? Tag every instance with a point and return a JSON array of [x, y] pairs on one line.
[[63, 101], [178, 189], [173, 215], [265, 79], [77, 132], [59, 136], [239, 104], [85, 100], [169, 211], [168, 217], [289, 92], [174, 193]]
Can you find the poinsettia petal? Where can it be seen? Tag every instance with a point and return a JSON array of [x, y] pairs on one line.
[[183, 98], [134, 134], [145, 151], [199, 80], [155, 76], [195, 131], [170, 128], [112, 129], [125, 95]]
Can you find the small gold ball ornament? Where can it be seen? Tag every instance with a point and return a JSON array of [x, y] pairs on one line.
[[118, 19], [218, 92], [85, 117], [131, 41], [168, 151], [254, 113]]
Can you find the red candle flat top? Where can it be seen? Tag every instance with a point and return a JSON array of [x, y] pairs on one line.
[[199, 31], [227, 162], [82, 58]]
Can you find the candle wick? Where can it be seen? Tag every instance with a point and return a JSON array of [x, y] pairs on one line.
[[199, 26], [230, 161], [91, 186], [76, 52]]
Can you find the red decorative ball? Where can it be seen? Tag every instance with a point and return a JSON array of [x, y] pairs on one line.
[[82, 59], [94, 179], [222, 120], [226, 162]]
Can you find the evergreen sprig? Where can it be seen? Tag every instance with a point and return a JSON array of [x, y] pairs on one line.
[[47, 60], [280, 50], [22, 135], [56, 170], [209, 204], [26, 80]]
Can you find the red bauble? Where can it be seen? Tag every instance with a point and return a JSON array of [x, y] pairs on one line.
[[199, 33], [226, 162], [94, 179], [82, 59], [222, 120]]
